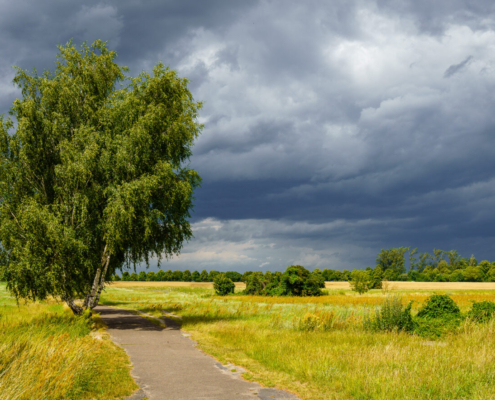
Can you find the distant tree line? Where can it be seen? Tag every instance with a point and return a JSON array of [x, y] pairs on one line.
[[396, 264]]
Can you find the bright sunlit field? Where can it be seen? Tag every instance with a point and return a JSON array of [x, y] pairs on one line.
[[317, 347], [47, 353]]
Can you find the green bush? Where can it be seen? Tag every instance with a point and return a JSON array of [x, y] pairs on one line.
[[223, 285], [439, 306], [298, 281], [133, 277], [391, 316], [126, 276], [142, 276], [195, 276], [116, 278], [186, 276], [482, 311]]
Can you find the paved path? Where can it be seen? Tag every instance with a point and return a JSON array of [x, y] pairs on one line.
[[167, 365]]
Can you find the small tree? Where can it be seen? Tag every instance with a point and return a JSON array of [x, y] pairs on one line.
[[160, 276], [94, 177], [195, 276], [142, 276], [298, 281], [223, 285], [151, 276], [361, 281]]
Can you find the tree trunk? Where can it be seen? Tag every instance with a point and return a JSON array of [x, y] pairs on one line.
[[77, 310]]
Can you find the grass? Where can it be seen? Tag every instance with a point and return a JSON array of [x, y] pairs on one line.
[[47, 353], [317, 347]]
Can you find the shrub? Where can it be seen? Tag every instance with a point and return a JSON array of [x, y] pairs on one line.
[[298, 281], [126, 276], [439, 306], [133, 277], [482, 311], [391, 316], [116, 277], [142, 276], [223, 285]]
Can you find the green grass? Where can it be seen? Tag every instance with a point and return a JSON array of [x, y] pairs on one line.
[[47, 353], [319, 349]]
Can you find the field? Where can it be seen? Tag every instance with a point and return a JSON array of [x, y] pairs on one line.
[[46, 353], [318, 348]]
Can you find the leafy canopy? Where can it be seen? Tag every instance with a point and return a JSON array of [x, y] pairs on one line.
[[93, 173]]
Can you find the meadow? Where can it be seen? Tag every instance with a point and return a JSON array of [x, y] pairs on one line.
[[319, 348], [47, 353]]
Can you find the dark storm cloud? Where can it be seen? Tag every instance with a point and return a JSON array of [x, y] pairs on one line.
[[330, 131], [453, 69]]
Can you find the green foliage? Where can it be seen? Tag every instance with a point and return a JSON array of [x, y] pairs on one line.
[[151, 276], [391, 316], [223, 285], [212, 275], [255, 284], [116, 278], [126, 276], [186, 276], [195, 276], [439, 306], [93, 172], [234, 276], [133, 277], [204, 276], [298, 281], [482, 311], [142, 276], [177, 276], [160, 276], [361, 281], [393, 260]]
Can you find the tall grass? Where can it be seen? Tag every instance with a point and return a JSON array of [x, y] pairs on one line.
[[47, 353], [320, 349]]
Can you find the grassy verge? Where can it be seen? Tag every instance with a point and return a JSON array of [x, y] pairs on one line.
[[47, 353], [318, 348]]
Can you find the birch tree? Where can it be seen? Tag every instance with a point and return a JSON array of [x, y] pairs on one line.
[[93, 174]]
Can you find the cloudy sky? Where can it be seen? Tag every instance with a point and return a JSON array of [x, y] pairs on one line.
[[332, 129]]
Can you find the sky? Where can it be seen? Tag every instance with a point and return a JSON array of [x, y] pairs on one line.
[[331, 129]]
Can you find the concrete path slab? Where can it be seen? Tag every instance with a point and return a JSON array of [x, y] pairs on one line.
[[167, 365]]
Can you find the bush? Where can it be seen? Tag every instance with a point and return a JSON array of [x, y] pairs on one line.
[[223, 285], [439, 306], [204, 276], [142, 276], [298, 281], [482, 311], [133, 277], [126, 276], [392, 317], [116, 278]]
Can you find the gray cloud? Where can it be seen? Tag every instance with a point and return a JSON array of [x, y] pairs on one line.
[[330, 131], [453, 69]]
